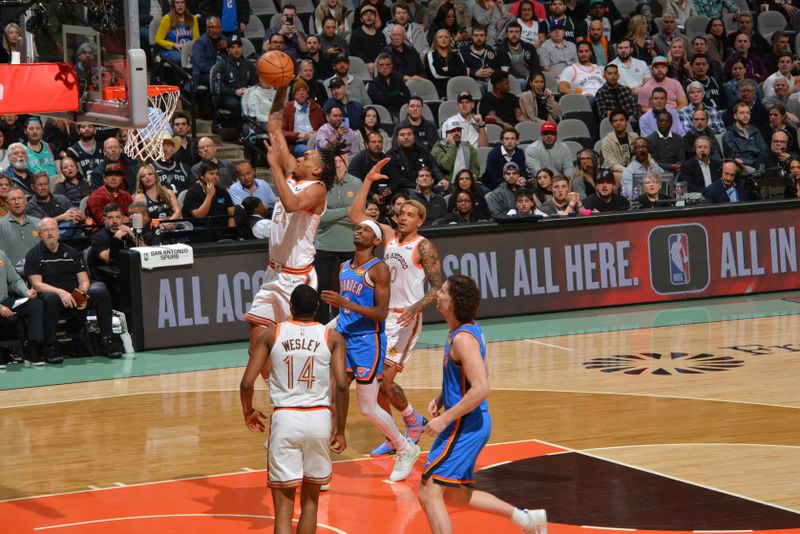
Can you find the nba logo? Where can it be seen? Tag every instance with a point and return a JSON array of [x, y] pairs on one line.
[[679, 259]]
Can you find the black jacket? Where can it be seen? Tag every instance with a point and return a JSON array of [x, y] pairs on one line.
[[715, 193], [409, 162], [531, 58], [407, 62], [391, 93], [362, 163], [693, 175], [213, 8], [231, 75]]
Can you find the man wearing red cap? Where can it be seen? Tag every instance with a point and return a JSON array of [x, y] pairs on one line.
[[548, 153]]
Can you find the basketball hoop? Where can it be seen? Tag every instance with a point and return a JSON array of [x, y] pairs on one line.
[[145, 144]]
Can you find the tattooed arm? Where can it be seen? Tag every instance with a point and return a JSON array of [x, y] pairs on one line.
[[429, 257]]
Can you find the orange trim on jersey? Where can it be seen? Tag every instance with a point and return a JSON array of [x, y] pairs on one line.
[[291, 270], [318, 481], [452, 481], [372, 372], [447, 448], [282, 485], [259, 321], [301, 408], [301, 323]]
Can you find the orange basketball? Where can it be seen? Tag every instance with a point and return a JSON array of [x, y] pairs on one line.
[[275, 69]]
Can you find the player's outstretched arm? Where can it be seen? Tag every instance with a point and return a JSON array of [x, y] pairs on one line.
[[252, 417], [466, 350], [429, 257], [379, 274], [310, 199], [341, 390], [358, 209]]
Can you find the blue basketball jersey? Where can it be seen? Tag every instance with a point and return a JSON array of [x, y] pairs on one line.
[[354, 287], [454, 382]]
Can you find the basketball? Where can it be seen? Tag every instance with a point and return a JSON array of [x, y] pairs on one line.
[[275, 69]]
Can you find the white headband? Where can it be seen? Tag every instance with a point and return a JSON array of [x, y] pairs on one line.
[[375, 227]]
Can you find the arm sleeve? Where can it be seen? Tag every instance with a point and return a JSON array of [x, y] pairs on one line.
[[161, 34]]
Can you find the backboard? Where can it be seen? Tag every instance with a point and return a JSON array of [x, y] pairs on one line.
[[101, 39]]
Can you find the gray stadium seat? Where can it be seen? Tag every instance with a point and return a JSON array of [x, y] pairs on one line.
[[254, 32], [550, 82], [483, 156], [424, 89], [598, 147], [696, 26], [426, 112], [181, 198], [573, 102], [384, 117], [493, 132], [730, 22], [574, 148], [770, 22], [359, 69], [186, 55], [262, 7], [721, 144], [569, 128], [625, 7], [456, 84], [448, 108], [248, 48], [528, 131]]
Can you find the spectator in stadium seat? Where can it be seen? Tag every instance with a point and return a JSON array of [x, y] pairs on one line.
[[363, 162], [784, 97], [233, 75], [713, 8], [382, 15], [562, 202], [367, 40], [405, 58], [113, 237], [613, 95], [207, 150], [499, 105], [666, 147], [208, 198], [586, 174], [322, 63], [388, 88], [414, 34], [44, 204], [447, 19], [13, 129], [573, 29], [658, 102], [700, 128], [425, 133], [185, 147], [617, 145], [473, 127], [234, 14], [505, 152], [275, 41], [643, 162], [651, 195], [743, 138], [784, 70], [443, 62], [173, 174], [778, 122], [110, 192], [582, 77], [87, 152], [160, 202], [777, 155], [696, 95], [332, 44], [633, 72], [504, 197], [207, 51], [598, 11], [71, 183], [493, 17], [668, 32], [18, 230], [550, 153], [353, 109], [480, 59], [729, 188], [602, 50], [18, 167], [679, 67], [466, 182], [336, 132], [316, 89], [176, 28], [40, 156], [463, 211], [435, 205], [302, 117], [250, 186], [294, 40], [408, 157], [112, 153], [452, 154], [355, 88], [335, 10], [700, 68], [780, 45], [5, 187], [56, 270], [604, 198], [538, 103], [676, 97], [556, 53], [699, 171], [745, 26], [754, 67], [520, 58]]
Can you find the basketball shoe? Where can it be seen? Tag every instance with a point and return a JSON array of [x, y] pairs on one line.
[[537, 522], [404, 463], [384, 449], [415, 428]]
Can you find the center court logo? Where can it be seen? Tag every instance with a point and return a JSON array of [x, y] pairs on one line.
[[666, 364], [679, 260]]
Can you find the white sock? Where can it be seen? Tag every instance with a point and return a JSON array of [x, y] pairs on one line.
[[368, 404], [520, 517]]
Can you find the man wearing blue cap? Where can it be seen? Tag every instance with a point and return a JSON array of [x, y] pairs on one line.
[[556, 53]]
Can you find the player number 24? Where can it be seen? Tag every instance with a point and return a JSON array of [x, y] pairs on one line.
[[306, 374]]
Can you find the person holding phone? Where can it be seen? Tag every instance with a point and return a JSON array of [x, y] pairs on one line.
[[335, 131], [293, 38]]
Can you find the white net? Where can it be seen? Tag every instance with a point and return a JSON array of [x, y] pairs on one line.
[[146, 144]]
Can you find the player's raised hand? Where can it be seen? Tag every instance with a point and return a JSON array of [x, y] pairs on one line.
[[338, 443], [254, 421], [375, 172], [332, 297]]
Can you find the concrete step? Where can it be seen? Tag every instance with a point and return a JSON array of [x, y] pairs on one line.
[[203, 126], [230, 151]]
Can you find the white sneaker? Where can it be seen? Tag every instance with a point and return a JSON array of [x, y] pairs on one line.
[[537, 522], [404, 463]]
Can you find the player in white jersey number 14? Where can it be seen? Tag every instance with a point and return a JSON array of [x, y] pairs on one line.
[[304, 359], [412, 260]]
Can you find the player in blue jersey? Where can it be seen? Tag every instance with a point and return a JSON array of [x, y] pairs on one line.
[[460, 419], [364, 304]]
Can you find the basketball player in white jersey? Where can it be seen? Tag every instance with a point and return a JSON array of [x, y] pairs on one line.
[[412, 260], [302, 187], [304, 359]]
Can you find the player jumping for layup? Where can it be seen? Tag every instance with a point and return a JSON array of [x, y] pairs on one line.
[[364, 303], [305, 357], [412, 260], [461, 422], [295, 219]]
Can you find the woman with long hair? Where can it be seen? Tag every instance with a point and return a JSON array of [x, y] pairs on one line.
[[715, 37], [395, 203], [162, 204], [639, 34], [335, 9], [679, 67], [542, 186], [585, 174], [60, 134], [446, 20], [730, 90], [465, 181], [792, 177], [534, 31], [5, 187], [71, 183], [3, 151], [442, 62], [370, 122], [778, 122], [13, 41], [538, 103], [176, 29]]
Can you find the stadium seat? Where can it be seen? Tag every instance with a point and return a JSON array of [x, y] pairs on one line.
[[550, 82], [598, 148], [626, 7], [254, 31], [696, 26], [424, 89], [483, 156], [448, 108], [570, 128], [456, 84], [427, 114], [573, 102], [359, 69], [586, 117], [263, 9], [770, 22], [493, 132], [721, 144], [181, 197], [529, 131], [730, 22], [574, 148], [249, 49], [186, 55], [384, 116]]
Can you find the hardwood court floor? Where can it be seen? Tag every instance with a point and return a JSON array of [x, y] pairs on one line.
[[713, 404]]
